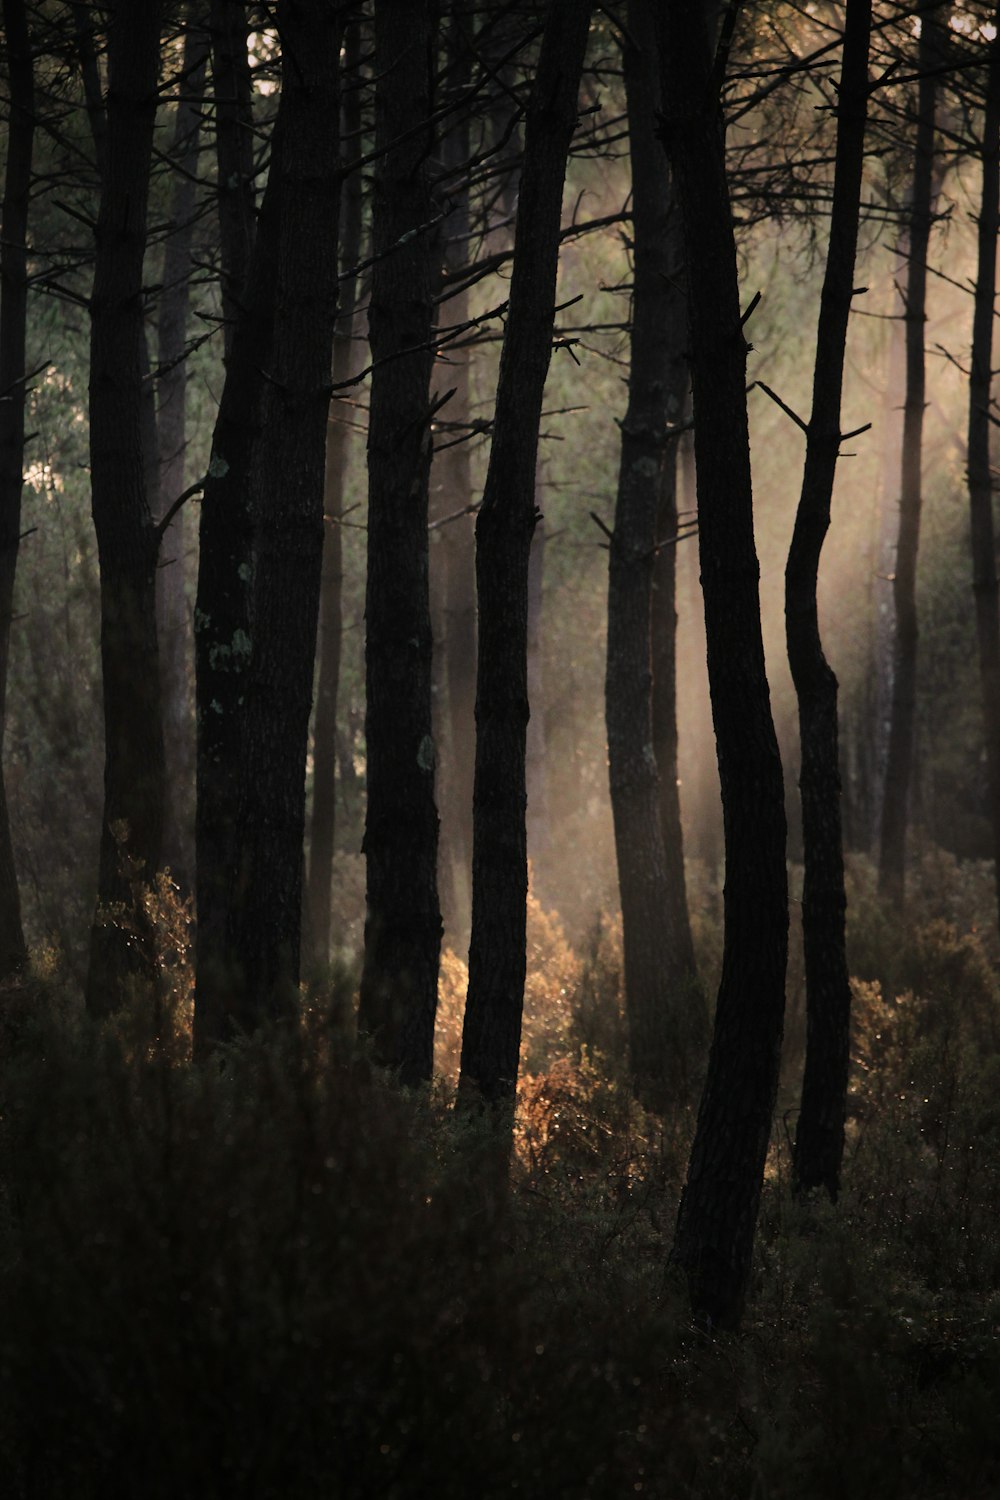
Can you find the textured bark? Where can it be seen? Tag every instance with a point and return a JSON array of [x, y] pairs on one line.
[[451, 479], [819, 1139], [403, 921], [261, 545], [338, 443], [127, 541], [721, 1198], [286, 506], [658, 972], [13, 382], [663, 657], [171, 426], [232, 88], [536, 781], [497, 955], [222, 623], [984, 567], [899, 761]]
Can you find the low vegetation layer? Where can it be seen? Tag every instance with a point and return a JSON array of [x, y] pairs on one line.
[[286, 1277]]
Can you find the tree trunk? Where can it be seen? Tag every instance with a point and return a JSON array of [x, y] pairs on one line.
[[984, 568], [718, 1211], [403, 921], [497, 955], [232, 88], [13, 395], [536, 781], [222, 624], [345, 359], [899, 762], [171, 598], [658, 974], [286, 508], [127, 540], [819, 1139], [451, 478]]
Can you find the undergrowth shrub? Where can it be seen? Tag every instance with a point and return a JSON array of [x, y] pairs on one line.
[[282, 1275]]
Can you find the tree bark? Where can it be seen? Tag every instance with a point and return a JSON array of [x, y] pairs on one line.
[[232, 88], [13, 396], [819, 1139], [497, 955], [721, 1198], [338, 444], [536, 781], [286, 508], [403, 921], [899, 762], [127, 540], [658, 975], [171, 425], [984, 568], [451, 478]]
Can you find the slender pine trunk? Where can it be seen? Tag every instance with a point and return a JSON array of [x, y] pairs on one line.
[[819, 1139], [984, 566], [222, 622], [286, 485], [718, 1211], [658, 975], [127, 539], [902, 715], [345, 359], [403, 922], [497, 955], [233, 94], [171, 598]]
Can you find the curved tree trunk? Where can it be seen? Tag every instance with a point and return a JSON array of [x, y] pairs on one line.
[[658, 965], [497, 956], [324, 807], [403, 922], [984, 566], [819, 1139], [721, 1198], [899, 763]]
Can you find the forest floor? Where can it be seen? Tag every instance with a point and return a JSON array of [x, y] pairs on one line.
[[287, 1277]]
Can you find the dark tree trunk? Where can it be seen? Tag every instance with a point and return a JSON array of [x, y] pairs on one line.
[[497, 956], [536, 781], [899, 762], [127, 540], [718, 1211], [663, 656], [286, 502], [451, 479], [338, 443], [261, 546], [819, 1139], [13, 393], [403, 921], [232, 88], [171, 600], [222, 624], [984, 567], [658, 973]]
